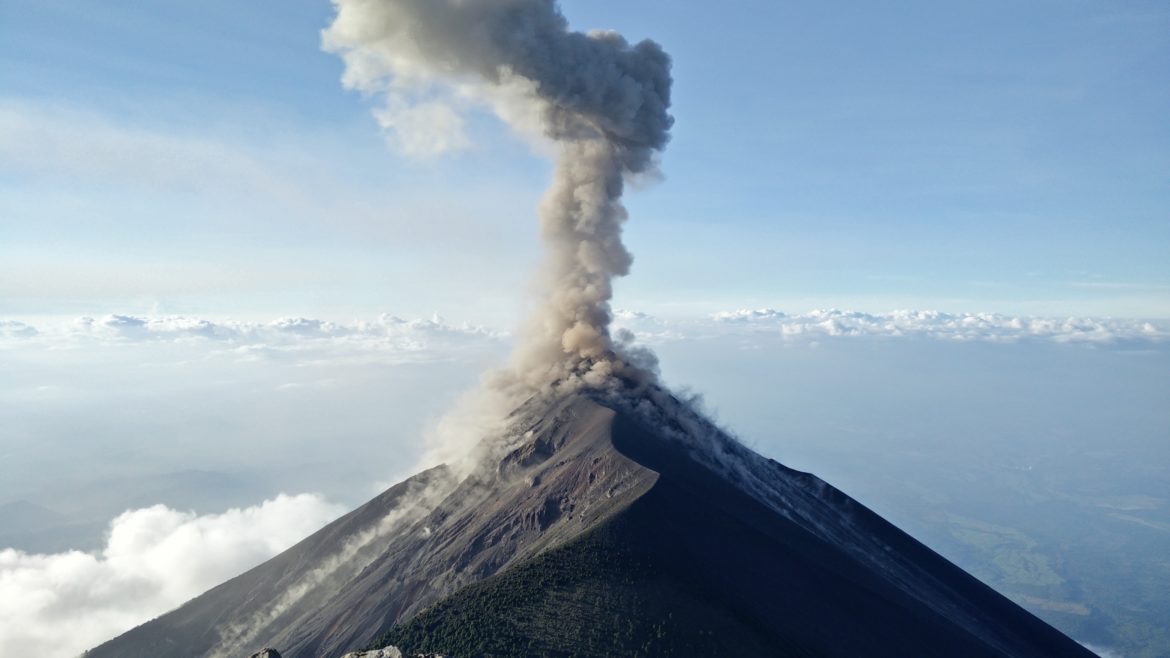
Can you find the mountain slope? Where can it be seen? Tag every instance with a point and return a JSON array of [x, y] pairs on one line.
[[697, 567], [416, 543], [613, 525]]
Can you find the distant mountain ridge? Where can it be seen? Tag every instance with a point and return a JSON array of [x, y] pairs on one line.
[[618, 524]]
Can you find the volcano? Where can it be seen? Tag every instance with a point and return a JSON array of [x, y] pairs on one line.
[[610, 523]]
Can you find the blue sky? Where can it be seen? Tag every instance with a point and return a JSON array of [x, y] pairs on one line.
[[203, 158]]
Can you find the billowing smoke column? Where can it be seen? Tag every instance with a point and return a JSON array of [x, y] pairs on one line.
[[600, 99]]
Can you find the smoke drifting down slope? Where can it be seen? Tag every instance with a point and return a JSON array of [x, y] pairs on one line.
[[602, 101]]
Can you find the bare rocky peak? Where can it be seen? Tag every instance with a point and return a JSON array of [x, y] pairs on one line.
[[746, 545]]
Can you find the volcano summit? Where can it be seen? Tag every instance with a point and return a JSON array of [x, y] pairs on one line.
[[616, 524]]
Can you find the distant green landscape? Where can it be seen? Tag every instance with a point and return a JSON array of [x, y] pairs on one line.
[[1094, 563]]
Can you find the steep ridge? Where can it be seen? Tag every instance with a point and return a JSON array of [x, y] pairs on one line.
[[421, 540], [616, 524], [563, 478], [832, 575]]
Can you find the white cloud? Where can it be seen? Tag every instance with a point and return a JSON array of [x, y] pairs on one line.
[[154, 560], [10, 329], [749, 315], [439, 339], [386, 335], [935, 325]]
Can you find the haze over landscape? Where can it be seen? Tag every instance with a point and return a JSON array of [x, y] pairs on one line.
[[230, 311]]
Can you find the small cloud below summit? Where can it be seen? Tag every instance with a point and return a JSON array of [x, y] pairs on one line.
[[155, 558]]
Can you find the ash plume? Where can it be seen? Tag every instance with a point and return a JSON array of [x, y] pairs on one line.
[[601, 100]]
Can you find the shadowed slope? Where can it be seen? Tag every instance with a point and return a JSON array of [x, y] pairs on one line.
[[696, 566]]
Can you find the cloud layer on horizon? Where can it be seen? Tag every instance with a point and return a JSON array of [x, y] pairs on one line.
[[155, 559], [824, 324], [388, 335], [342, 405], [436, 336]]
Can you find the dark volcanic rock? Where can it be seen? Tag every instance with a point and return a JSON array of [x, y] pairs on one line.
[[616, 527]]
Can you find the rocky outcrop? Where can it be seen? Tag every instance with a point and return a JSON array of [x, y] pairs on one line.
[[384, 652], [389, 652]]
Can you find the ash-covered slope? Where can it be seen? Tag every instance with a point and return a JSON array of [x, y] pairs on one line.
[[617, 525], [416, 543]]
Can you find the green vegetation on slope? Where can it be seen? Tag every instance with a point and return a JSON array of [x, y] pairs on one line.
[[593, 597]]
